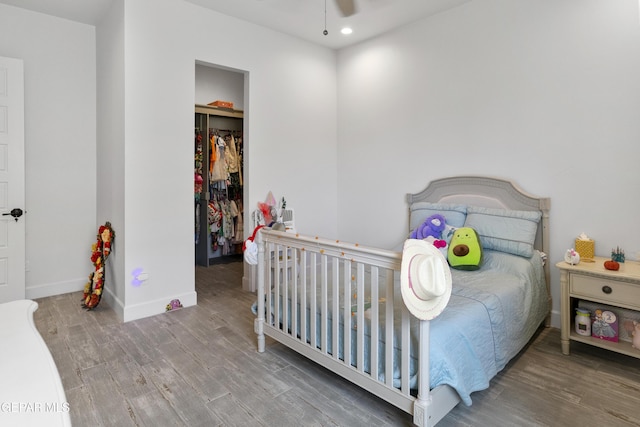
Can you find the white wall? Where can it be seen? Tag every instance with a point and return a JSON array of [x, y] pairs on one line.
[[60, 146], [290, 137], [110, 147], [546, 93], [143, 183], [215, 83]]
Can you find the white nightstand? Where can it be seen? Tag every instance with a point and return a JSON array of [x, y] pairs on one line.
[[592, 282]]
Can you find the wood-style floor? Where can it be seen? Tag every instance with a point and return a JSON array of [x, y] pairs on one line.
[[199, 366]]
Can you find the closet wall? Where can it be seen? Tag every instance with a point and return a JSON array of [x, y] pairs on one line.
[[218, 166]]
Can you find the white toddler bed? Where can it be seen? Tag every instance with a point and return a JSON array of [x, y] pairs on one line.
[[31, 392], [493, 312]]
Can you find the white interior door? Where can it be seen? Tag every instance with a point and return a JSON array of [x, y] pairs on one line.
[[12, 222]]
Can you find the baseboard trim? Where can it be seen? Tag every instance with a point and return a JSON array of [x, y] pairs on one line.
[[555, 319], [157, 306], [51, 289], [109, 298], [147, 309]]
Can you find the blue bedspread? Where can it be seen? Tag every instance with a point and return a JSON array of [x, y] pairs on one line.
[[493, 312]]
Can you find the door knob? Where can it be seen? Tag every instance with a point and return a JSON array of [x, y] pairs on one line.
[[15, 213]]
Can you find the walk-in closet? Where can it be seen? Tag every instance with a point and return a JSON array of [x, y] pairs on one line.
[[218, 167]]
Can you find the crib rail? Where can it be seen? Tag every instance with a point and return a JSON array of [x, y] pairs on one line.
[[334, 302]]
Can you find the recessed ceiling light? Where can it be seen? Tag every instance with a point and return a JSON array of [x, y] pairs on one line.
[[346, 31]]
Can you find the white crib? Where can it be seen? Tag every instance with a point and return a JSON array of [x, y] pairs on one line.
[[333, 267], [339, 305]]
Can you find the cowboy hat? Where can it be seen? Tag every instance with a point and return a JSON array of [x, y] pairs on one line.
[[425, 279]]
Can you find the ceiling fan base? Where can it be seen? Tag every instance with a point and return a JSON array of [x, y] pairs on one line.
[[346, 7]]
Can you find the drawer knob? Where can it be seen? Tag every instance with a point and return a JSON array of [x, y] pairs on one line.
[[607, 289]]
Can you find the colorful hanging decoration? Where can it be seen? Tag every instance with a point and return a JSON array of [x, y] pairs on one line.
[[100, 251]]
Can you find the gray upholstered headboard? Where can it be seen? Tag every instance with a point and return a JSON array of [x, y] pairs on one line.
[[492, 193]]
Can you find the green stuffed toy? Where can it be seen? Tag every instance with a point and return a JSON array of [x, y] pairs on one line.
[[465, 250]]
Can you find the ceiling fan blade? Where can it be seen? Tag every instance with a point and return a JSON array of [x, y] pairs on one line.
[[347, 7]]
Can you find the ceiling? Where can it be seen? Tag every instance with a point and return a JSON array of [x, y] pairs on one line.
[[86, 11], [300, 18]]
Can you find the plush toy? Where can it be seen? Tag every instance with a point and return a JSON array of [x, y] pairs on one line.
[[174, 304], [636, 335], [465, 250], [432, 226], [571, 257]]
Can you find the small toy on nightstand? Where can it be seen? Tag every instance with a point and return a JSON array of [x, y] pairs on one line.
[[571, 257], [617, 254], [617, 257], [612, 265], [604, 325]]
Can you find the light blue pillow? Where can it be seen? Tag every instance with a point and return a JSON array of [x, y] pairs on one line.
[[504, 230], [453, 214]]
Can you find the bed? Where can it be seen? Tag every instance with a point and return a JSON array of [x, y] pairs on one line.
[[339, 303], [31, 392]]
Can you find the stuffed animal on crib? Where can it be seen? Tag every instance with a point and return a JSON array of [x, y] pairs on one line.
[[635, 343], [432, 226]]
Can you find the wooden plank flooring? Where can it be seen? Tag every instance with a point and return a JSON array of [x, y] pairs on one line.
[[199, 366]]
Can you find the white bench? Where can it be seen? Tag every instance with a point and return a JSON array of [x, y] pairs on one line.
[[31, 392]]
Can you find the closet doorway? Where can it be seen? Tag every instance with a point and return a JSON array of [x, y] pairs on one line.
[[219, 179]]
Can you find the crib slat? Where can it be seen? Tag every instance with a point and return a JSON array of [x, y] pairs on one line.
[[281, 255], [375, 322], [278, 287], [313, 331], [388, 339], [294, 293], [405, 350], [335, 309], [323, 303], [269, 273], [303, 299], [360, 317], [346, 326]]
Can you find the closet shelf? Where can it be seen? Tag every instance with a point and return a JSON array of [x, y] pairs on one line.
[[224, 112]]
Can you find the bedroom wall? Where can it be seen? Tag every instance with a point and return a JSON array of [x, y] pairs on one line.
[[290, 104], [545, 93], [111, 183], [60, 145], [138, 169], [213, 83]]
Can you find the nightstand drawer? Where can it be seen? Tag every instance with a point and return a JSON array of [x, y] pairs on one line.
[[605, 290]]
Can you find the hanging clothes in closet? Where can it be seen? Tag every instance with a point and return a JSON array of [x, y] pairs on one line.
[[219, 228], [217, 164], [233, 157], [197, 180]]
